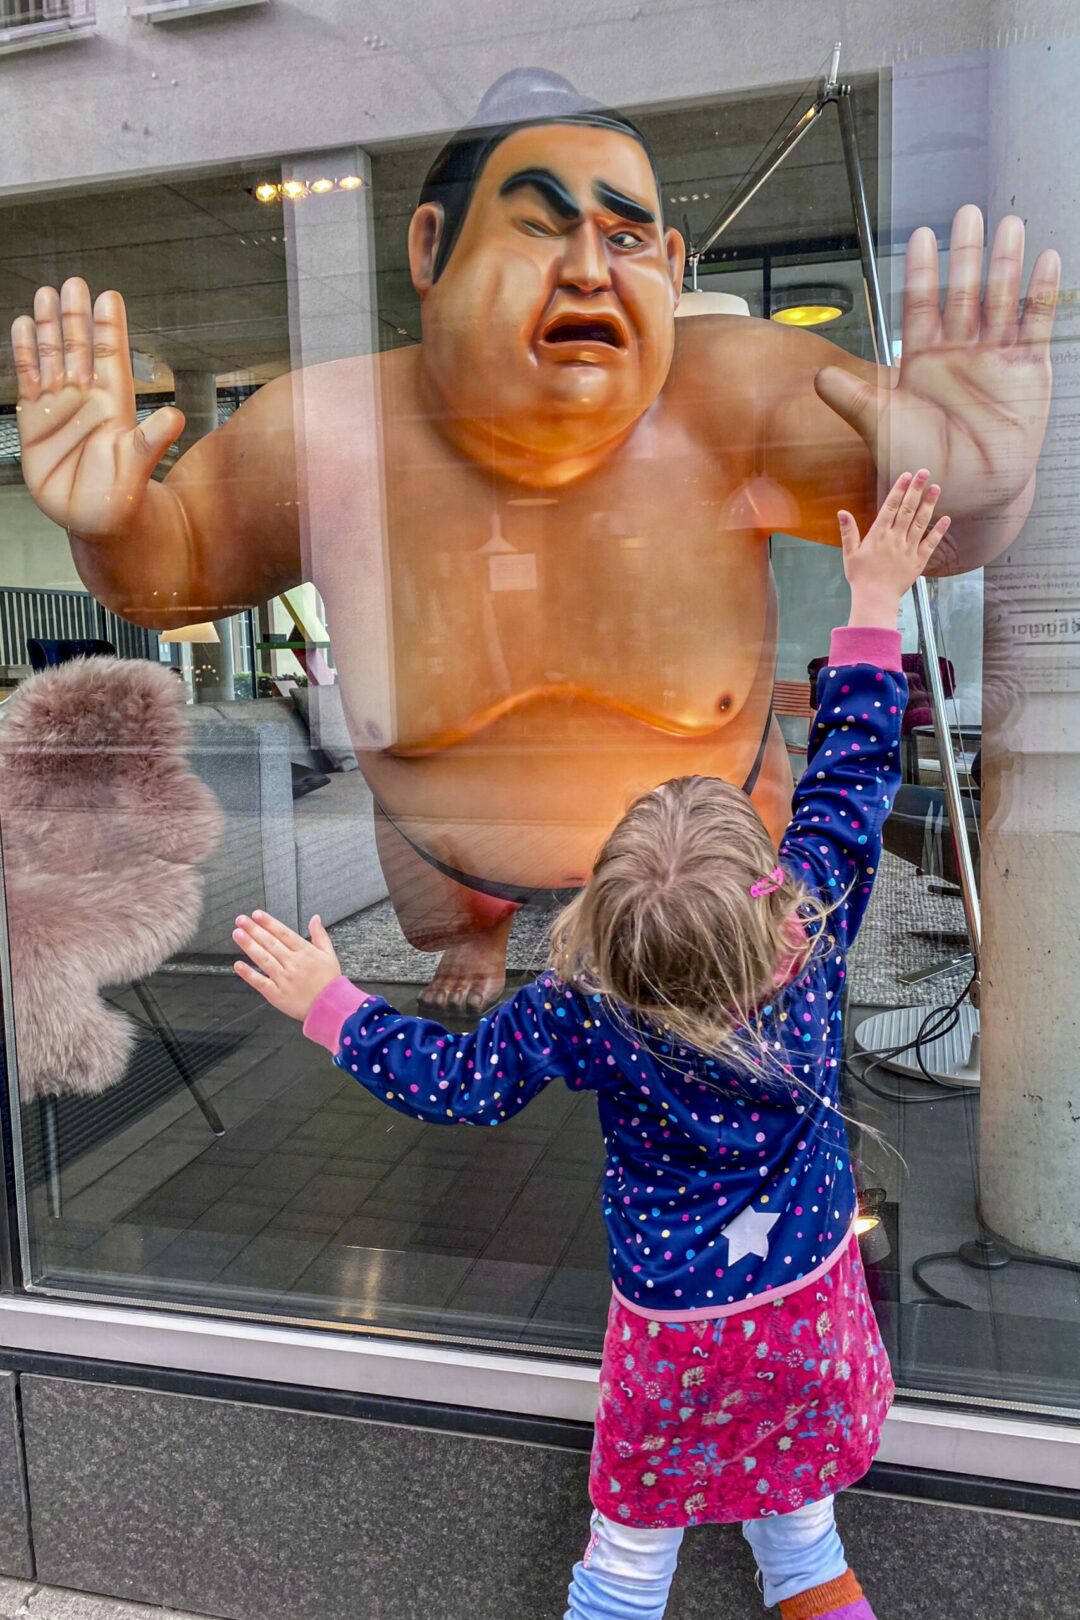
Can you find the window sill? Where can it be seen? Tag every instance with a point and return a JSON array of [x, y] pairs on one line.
[[33, 36], [158, 11], [953, 1440]]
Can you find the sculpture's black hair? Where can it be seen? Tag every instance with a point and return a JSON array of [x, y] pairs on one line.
[[524, 98]]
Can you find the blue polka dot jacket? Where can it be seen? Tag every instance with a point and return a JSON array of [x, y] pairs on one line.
[[721, 1190]]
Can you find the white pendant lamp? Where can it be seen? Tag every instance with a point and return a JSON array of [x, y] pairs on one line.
[[696, 302], [711, 303]]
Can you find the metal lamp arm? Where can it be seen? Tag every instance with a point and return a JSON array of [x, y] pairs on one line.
[[833, 93]]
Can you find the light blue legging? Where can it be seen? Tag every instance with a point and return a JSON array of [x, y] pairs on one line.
[[626, 1573]]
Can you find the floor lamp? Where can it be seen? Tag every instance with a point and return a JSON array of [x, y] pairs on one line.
[[953, 1059]]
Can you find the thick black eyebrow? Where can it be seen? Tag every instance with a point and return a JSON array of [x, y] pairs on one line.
[[550, 187], [625, 207]]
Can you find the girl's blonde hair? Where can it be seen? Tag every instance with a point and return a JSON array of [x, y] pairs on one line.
[[667, 927]]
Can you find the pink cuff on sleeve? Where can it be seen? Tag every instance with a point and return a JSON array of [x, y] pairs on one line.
[[852, 644], [329, 1011]]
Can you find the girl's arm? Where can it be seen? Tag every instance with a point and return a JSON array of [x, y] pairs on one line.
[[833, 843], [413, 1064], [420, 1068]]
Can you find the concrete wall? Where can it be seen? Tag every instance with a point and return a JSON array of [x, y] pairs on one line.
[[251, 1511], [33, 551], [297, 75]]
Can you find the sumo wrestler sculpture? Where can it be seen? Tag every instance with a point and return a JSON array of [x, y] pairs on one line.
[[622, 631]]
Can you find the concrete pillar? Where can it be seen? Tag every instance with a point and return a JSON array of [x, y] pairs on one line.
[[996, 126], [1030, 1145], [333, 315], [196, 395], [211, 662]]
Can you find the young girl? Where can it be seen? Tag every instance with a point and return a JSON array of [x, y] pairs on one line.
[[696, 987]]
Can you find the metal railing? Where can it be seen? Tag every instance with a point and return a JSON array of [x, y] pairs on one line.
[[27, 25], [64, 616], [43, 13]]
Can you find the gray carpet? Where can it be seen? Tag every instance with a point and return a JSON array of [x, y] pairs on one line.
[[905, 929], [370, 945], [902, 932]]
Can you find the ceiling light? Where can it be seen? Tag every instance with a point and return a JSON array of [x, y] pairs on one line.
[[809, 305], [199, 635], [711, 303], [268, 191], [807, 314]]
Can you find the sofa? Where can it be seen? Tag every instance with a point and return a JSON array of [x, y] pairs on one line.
[[296, 857]]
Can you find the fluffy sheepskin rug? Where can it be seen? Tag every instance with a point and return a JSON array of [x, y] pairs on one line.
[[103, 824]]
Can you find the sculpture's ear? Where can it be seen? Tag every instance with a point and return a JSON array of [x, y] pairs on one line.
[[425, 238], [676, 257]]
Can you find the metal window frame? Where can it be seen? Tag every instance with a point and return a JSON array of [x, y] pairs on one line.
[[10, 1255], [953, 1440], [72, 19]]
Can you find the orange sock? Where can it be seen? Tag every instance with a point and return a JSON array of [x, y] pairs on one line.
[[822, 1600]]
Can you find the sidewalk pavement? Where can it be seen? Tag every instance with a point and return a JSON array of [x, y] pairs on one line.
[[24, 1600]]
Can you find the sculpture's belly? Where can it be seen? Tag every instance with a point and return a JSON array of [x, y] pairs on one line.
[[527, 800], [672, 630], [527, 693]]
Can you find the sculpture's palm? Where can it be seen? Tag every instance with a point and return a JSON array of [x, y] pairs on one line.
[[85, 459], [972, 391]]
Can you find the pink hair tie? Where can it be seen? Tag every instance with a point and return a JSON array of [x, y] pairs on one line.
[[768, 885]]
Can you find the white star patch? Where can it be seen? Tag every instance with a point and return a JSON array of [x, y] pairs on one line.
[[748, 1233]]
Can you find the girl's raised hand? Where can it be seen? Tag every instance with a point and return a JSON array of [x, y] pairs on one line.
[[885, 562], [292, 972]]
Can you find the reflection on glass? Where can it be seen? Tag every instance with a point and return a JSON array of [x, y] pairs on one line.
[[561, 545]]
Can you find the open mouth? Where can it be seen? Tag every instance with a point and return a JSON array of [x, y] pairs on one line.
[[595, 330]]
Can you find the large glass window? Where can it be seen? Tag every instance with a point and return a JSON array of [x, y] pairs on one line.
[[422, 647]]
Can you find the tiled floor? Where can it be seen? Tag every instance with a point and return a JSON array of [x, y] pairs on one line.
[[319, 1202], [1018, 1339]]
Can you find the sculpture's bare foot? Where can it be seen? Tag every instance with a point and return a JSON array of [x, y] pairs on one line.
[[470, 976]]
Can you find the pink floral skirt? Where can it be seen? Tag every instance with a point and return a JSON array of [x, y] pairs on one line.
[[740, 1417]]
